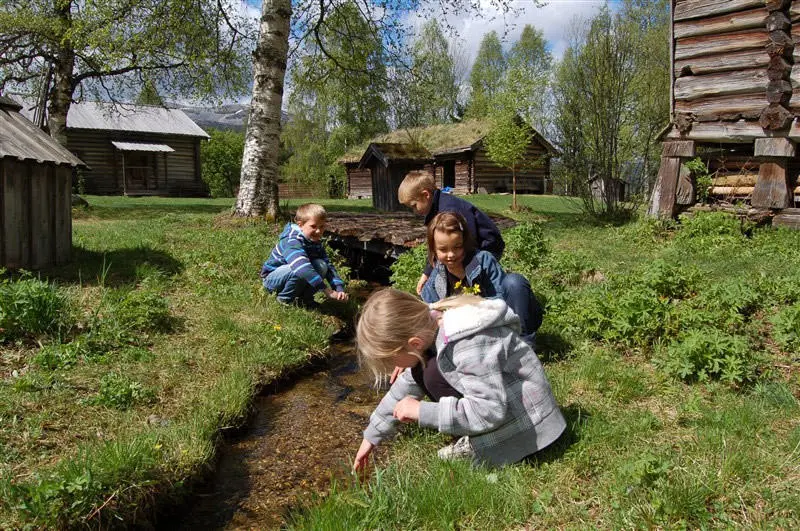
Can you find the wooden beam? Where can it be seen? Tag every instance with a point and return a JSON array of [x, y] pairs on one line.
[[778, 21], [714, 64], [725, 132], [772, 189], [715, 108], [689, 9], [685, 194], [784, 219], [742, 20], [719, 44], [742, 82], [732, 190], [775, 117], [664, 194], [774, 147], [739, 179], [680, 148], [777, 5]]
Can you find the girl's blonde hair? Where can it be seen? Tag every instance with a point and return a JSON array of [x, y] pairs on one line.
[[390, 318], [448, 223]]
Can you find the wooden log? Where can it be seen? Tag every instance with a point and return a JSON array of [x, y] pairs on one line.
[[715, 64], [778, 21], [733, 107], [685, 193], [741, 82], [794, 11], [664, 194], [789, 221], [732, 190], [779, 69], [773, 147], [779, 92], [772, 189], [777, 5], [725, 132], [689, 9], [775, 117], [683, 121], [742, 20], [739, 179], [680, 148], [719, 44]]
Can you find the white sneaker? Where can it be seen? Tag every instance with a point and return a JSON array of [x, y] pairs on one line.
[[461, 449]]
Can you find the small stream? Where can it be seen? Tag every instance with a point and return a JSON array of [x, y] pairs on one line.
[[302, 436]]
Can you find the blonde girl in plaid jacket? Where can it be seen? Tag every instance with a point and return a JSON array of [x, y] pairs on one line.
[[500, 403]]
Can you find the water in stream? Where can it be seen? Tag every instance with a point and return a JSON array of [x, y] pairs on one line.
[[301, 437]]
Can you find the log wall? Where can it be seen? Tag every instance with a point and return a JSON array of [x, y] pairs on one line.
[[531, 178], [733, 60], [177, 174], [35, 214]]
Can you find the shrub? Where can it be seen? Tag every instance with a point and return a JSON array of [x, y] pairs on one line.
[[525, 248], [408, 267], [30, 307], [668, 280], [707, 353], [221, 160], [708, 229], [121, 392], [786, 327]]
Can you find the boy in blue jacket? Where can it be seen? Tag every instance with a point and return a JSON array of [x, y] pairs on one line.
[[298, 265], [418, 192]]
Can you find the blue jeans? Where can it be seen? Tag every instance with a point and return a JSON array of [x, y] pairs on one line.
[[523, 302], [290, 287]]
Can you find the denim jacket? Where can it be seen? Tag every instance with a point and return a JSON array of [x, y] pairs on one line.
[[482, 269]]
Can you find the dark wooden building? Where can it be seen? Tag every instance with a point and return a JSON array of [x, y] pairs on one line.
[[136, 149], [35, 193], [735, 101], [460, 161], [388, 164]]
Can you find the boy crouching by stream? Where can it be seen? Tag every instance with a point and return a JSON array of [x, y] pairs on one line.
[[298, 265]]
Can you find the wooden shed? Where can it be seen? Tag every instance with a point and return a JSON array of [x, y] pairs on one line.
[[388, 164], [460, 160], [136, 149], [735, 100], [35, 193]]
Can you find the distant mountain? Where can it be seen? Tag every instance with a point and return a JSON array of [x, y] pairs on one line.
[[232, 116]]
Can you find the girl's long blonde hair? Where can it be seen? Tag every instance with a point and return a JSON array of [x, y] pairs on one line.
[[390, 318]]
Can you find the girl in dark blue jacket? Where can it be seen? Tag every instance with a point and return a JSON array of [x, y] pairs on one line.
[[458, 267]]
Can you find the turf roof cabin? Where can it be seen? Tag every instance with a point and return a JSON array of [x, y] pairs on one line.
[[35, 193], [136, 149], [456, 155], [734, 70]]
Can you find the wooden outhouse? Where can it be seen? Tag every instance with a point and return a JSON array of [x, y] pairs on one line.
[[388, 164], [136, 149], [735, 100], [460, 161], [35, 193]]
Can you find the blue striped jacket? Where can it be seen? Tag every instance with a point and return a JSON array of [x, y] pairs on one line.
[[297, 251]]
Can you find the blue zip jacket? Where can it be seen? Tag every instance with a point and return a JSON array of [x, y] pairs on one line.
[[482, 269], [486, 234], [297, 251]]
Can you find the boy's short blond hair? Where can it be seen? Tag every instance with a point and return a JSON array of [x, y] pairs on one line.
[[414, 183], [310, 211]]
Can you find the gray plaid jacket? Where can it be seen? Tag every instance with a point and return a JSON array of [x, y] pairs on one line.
[[508, 409]]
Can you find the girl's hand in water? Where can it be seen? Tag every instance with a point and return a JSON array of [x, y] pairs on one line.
[[362, 457], [407, 410]]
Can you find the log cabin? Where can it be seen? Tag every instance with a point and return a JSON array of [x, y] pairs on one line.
[[35, 193], [136, 150], [458, 160], [735, 101]]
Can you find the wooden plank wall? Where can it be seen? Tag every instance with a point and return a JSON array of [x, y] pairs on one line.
[[359, 182], [178, 176], [494, 178], [732, 61], [36, 216]]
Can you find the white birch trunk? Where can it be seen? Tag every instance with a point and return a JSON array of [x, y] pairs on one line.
[[258, 187]]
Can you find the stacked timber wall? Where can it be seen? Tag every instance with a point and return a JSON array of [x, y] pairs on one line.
[[531, 178]]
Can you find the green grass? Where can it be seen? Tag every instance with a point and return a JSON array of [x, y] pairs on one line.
[[90, 432]]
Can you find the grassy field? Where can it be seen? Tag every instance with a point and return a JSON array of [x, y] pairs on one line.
[[673, 352]]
